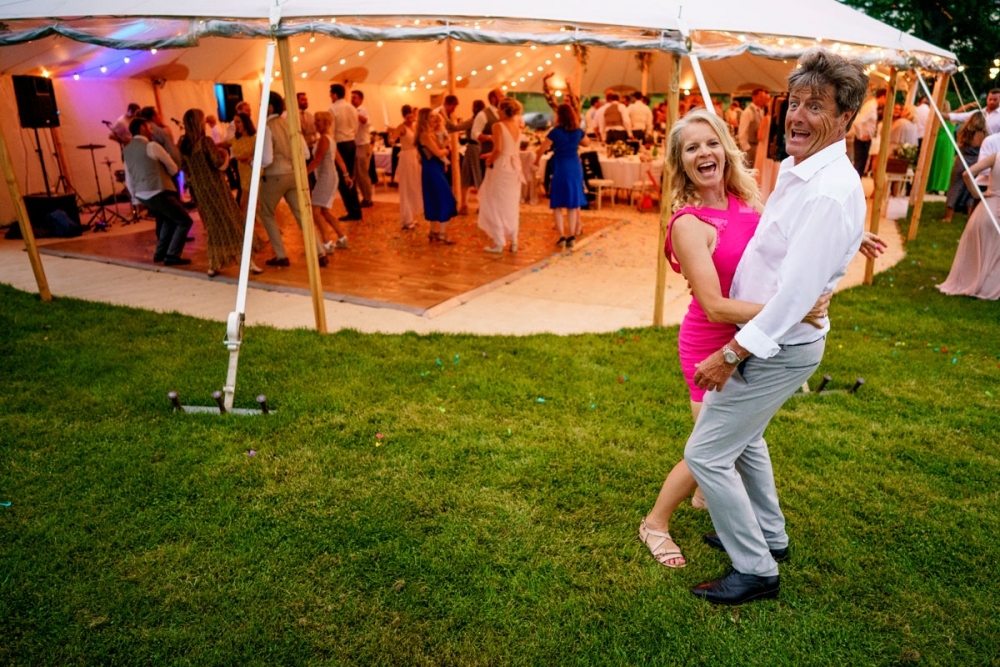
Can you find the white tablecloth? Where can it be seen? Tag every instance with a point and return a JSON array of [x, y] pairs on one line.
[[623, 171], [383, 160]]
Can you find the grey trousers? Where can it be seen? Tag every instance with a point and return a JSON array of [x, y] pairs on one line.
[[364, 180], [729, 459], [272, 189]]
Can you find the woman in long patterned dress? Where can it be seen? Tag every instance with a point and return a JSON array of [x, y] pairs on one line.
[[500, 194], [205, 165], [976, 269], [411, 200], [325, 155], [439, 202]]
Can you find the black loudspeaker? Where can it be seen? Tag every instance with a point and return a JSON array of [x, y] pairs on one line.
[[228, 96], [39, 207], [36, 101]]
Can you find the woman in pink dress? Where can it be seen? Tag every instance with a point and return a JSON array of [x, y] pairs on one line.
[[716, 210], [976, 269]]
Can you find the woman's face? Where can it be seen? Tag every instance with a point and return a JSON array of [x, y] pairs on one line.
[[322, 125], [435, 122], [410, 117], [238, 124], [702, 156]]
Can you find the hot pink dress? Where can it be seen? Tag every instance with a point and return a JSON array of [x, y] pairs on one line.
[[698, 337]]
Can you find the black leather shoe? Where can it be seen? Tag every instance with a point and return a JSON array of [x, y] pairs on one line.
[[323, 261], [349, 218], [176, 261], [278, 261], [737, 588], [367, 204], [712, 540], [158, 258]]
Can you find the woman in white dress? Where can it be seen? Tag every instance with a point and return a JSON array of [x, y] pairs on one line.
[[408, 171], [326, 182], [500, 193]]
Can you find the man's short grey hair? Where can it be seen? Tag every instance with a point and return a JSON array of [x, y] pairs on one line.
[[818, 68]]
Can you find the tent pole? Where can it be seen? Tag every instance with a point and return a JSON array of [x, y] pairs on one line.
[[234, 324], [61, 157], [456, 171], [645, 75], [578, 76], [883, 159], [924, 166], [666, 205], [22, 218], [925, 146], [156, 96], [302, 189]]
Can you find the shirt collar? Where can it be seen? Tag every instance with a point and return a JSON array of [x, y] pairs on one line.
[[812, 164]]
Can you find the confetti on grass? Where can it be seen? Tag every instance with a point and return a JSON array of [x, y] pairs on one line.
[[7, 503], [252, 452]]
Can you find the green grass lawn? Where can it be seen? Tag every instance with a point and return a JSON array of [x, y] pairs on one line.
[[494, 521]]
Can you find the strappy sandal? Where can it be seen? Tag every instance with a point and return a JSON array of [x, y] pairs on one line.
[[662, 546]]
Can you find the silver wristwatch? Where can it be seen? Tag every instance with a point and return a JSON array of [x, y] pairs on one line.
[[730, 356]]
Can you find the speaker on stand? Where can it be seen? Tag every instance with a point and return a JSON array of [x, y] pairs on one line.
[[37, 108]]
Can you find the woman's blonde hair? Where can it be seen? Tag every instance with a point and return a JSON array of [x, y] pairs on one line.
[[509, 107], [324, 116], [738, 180], [423, 121]]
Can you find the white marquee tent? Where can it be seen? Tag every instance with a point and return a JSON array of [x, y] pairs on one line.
[[104, 54]]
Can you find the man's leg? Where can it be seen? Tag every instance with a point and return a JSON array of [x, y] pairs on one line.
[[174, 223], [728, 457], [349, 194], [861, 149], [270, 194], [292, 197], [361, 162]]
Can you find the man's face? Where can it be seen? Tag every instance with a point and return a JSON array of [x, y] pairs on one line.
[[992, 101], [761, 99], [450, 108], [303, 100], [146, 131], [812, 122], [355, 100]]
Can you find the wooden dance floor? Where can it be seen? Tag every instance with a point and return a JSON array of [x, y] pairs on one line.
[[383, 267]]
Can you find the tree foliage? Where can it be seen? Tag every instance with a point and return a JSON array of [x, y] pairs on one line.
[[968, 28]]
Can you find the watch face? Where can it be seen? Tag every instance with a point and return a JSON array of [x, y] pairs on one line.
[[730, 357]]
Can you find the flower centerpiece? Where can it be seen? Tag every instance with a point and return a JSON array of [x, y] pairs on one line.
[[908, 152], [619, 149]]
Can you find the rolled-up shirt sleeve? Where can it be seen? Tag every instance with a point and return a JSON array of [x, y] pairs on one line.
[[819, 244], [267, 154]]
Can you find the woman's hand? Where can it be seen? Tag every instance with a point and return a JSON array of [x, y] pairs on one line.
[[872, 245], [819, 311]]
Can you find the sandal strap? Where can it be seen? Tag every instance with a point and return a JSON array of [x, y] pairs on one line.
[[664, 549]]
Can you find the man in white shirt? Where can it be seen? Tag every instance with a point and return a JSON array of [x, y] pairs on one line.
[[751, 120], [589, 124], [989, 147], [215, 130], [277, 180], [306, 121], [363, 149], [345, 133], [119, 128], [482, 124], [641, 117], [992, 112], [811, 227], [148, 172], [612, 120], [864, 129], [733, 117]]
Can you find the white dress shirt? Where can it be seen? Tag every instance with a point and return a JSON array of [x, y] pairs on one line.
[[749, 114], [864, 124], [479, 122], [267, 155], [811, 229], [601, 127], [992, 119], [588, 120], [154, 151], [641, 116], [990, 146], [345, 121], [920, 115], [363, 137]]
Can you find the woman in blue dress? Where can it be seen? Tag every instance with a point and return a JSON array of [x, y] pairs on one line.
[[566, 188], [439, 202]]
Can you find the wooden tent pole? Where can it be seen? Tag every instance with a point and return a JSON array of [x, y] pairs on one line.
[[156, 96], [22, 218], [645, 76], [883, 160], [302, 187], [578, 77], [456, 171], [927, 155], [666, 204]]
